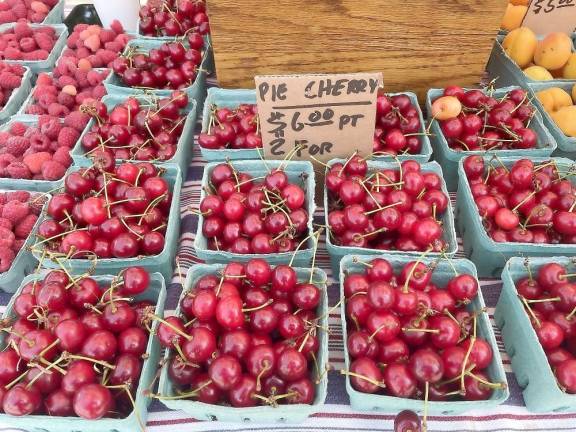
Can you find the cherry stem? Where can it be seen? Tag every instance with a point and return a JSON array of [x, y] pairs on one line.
[[418, 261], [357, 261], [376, 331], [347, 161], [450, 262], [166, 323], [486, 383], [44, 370], [262, 306], [425, 415], [383, 208], [526, 198], [530, 311], [467, 357], [266, 368], [365, 378], [426, 330], [528, 269], [89, 359], [553, 299], [571, 314], [17, 380]]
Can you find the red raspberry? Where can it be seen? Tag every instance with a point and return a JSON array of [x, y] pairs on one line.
[[35, 110], [51, 129], [4, 137], [20, 11], [116, 27], [46, 99], [44, 41], [68, 137], [99, 92], [67, 100], [76, 120], [81, 78], [27, 44], [39, 143], [95, 61], [44, 119], [15, 211], [49, 31], [8, 80], [114, 46], [78, 28], [5, 223], [7, 16], [62, 156], [37, 17], [6, 159], [57, 110], [107, 56], [52, 170], [34, 161], [95, 77], [6, 238], [20, 195], [17, 145], [6, 259], [24, 228], [71, 42], [107, 35], [36, 55], [18, 170], [82, 52], [66, 80], [18, 128], [12, 53], [44, 79]]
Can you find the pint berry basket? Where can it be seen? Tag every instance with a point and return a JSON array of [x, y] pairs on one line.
[[297, 172], [183, 153], [156, 293], [196, 91], [56, 14], [531, 367], [337, 252], [441, 275], [488, 255], [24, 262], [46, 65], [260, 414], [224, 98], [17, 97], [162, 263], [449, 158]]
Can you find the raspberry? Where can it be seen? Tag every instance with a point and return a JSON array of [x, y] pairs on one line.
[[44, 79], [39, 143], [34, 161], [4, 137], [48, 31], [15, 211], [22, 30], [17, 145], [66, 80], [107, 36], [116, 27], [5, 223], [7, 16], [24, 228], [66, 100], [99, 92], [8, 80], [107, 56], [77, 120], [40, 54], [51, 129], [62, 156], [35, 110], [46, 99], [18, 170], [6, 238], [44, 41], [82, 52], [68, 137], [27, 44], [80, 27], [95, 61], [37, 17], [6, 159], [20, 10], [44, 119], [6, 259], [52, 170], [12, 53], [57, 110], [114, 46], [22, 196], [92, 42], [81, 78], [18, 128], [84, 96]]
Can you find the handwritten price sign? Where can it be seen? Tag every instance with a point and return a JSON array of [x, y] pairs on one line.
[[323, 116], [545, 16]]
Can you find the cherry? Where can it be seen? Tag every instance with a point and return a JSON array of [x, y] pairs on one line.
[[399, 380], [366, 376], [92, 401], [426, 366], [132, 341], [225, 372], [407, 421], [71, 334], [566, 375], [242, 394], [136, 281], [181, 372], [302, 391], [58, 403], [100, 345], [549, 334], [10, 366], [21, 400], [200, 346], [79, 373]]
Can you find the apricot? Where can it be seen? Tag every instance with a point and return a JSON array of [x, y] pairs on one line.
[[513, 16], [446, 107], [554, 98], [553, 51], [569, 70], [574, 93], [565, 118], [520, 45], [538, 73]]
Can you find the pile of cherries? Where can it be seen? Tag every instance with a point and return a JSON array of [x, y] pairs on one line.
[[247, 336], [174, 18], [74, 347], [173, 65], [137, 129], [244, 215], [479, 121], [387, 208], [554, 320], [398, 126], [405, 333], [526, 202], [236, 128], [108, 211]]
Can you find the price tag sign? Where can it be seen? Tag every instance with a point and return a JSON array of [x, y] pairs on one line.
[[546, 16], [321, 117]]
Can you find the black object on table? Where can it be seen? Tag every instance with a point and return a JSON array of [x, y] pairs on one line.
[[82, 14]]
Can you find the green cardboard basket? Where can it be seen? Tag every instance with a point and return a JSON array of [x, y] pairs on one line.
[[43, 423], [17, 97], [441, 275], [259, 414], [533, 372]]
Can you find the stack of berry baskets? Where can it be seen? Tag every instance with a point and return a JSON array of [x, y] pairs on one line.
[[257, 209], [130, 399], [168, 19], [218, 141], [141, 68], [262, 394], [37, 150], [388, 298], [398, 207], [539, 335], [537, 218], [15, 85], [134, 219], [140, 127], [45, 43], [501, 121], [64, 94], [19, 219]]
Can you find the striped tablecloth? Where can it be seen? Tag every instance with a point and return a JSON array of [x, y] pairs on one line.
[[336, 415]]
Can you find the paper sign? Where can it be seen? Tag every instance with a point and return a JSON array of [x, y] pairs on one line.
[[325, 116], [546, 16]]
